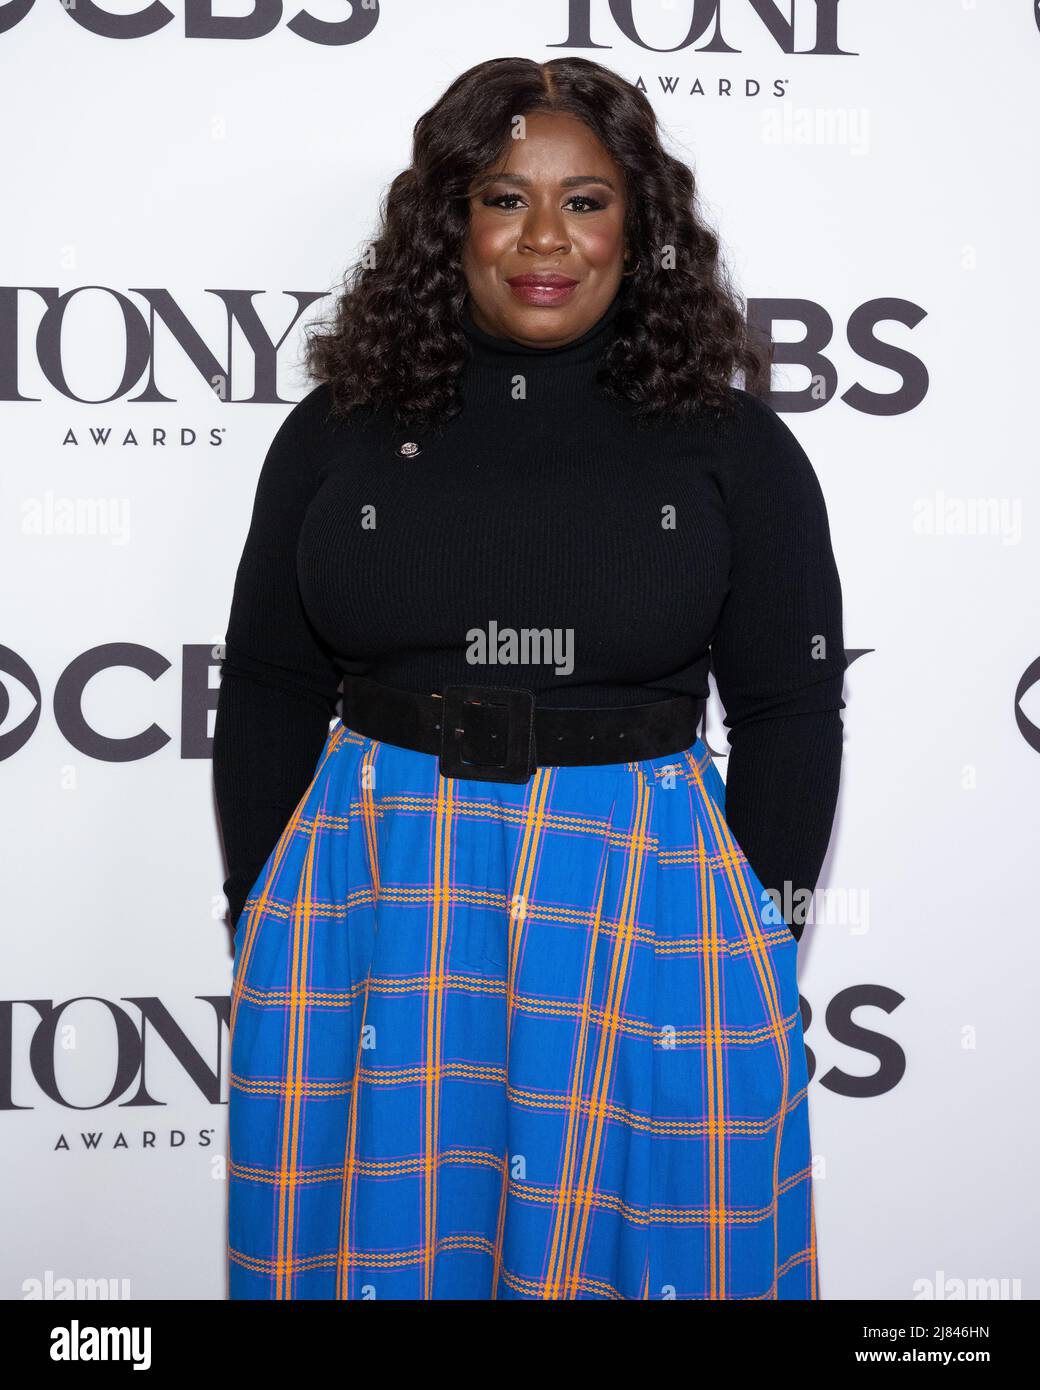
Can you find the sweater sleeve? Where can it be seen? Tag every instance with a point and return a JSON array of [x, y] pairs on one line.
[[779, 661], [278, 681]]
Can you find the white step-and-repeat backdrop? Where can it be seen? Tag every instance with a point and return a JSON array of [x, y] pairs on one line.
[[183, 184]]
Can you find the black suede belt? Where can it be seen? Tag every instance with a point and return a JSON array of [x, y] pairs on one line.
[[493, 733]]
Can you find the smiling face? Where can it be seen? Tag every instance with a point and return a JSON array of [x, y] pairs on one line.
[[545, 250]]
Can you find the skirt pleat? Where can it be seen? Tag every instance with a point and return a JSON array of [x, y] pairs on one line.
[[503, 1041]]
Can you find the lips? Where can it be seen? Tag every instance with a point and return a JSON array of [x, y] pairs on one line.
[[547, 280], [541, 288]]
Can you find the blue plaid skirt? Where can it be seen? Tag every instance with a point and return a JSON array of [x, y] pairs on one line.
[[502, 1041]]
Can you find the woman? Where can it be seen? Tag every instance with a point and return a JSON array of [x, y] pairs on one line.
[[513, 1014]]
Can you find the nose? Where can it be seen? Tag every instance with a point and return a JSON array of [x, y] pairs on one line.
[[544, 232]]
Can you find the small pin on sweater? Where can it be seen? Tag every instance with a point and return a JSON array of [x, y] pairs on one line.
[[408, 450]]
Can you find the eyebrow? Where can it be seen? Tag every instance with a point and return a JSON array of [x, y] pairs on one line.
[[570, 182]]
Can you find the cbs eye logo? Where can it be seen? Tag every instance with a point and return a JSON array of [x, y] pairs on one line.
[[201, 23], [1030, 679], [21, 701]]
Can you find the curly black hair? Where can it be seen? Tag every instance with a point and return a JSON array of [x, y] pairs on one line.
[[396, 336]]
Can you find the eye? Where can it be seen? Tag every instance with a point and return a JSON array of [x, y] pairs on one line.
[[591, 204], [500, 200]]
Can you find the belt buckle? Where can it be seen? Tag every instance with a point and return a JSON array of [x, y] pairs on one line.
[[487, 733]]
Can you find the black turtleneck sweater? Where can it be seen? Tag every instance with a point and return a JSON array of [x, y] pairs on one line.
[[543, 505]]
